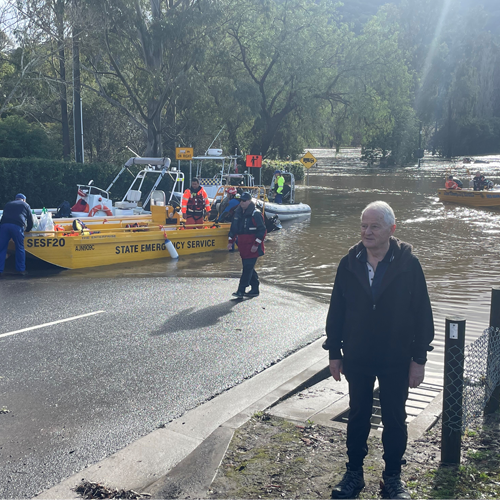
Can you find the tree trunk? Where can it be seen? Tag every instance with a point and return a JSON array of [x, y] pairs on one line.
[[154, 146], [77, 108]]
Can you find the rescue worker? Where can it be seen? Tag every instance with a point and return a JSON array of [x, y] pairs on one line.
[[479, 181], [16, 219], [248, 225], [279, 183], [451, 183], [194, 203], [229, 205]]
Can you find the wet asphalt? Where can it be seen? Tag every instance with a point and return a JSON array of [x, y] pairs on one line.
[[73, 393]]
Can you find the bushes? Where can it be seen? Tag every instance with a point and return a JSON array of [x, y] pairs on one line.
[[20, 139], [47, 183]]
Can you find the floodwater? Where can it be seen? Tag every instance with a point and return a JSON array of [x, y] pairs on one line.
[[457, 246]]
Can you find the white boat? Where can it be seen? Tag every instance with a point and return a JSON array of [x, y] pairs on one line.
[[92, 201], [286, 212], [94, 204], [288, 209]]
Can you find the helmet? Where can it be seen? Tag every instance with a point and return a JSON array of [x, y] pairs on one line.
[[232, 190], [277, 172]]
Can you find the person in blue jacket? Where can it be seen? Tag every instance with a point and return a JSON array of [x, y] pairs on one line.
[[229, 205], [15, 220]]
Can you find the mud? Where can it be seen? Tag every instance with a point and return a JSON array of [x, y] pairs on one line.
[[273, 458]]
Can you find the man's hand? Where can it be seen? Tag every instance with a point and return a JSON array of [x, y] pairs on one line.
[[417, 374], [229, 246], [254, 248], [336, 369]]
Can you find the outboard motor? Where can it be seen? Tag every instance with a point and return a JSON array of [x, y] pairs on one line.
[[273, 223]]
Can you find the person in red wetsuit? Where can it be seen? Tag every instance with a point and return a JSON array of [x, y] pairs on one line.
[[451, 184], [194, 203], [248, 224]]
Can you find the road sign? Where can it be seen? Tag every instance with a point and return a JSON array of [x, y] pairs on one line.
[[308, 160], [254, 161], [183, 153]]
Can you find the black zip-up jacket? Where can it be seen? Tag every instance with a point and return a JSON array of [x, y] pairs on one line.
[[18, 212], [249, 226], [382, 334]]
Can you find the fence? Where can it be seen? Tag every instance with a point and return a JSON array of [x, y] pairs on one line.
[[471, 379]]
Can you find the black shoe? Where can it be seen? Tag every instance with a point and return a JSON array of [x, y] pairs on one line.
[[252, 293], [350, 486], [393, 487], [239, 294]]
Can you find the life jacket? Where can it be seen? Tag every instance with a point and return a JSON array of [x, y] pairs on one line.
[[80, 206], [451, 185], [195, 202]]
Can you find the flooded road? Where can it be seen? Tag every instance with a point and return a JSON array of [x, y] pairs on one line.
[[457, 246]]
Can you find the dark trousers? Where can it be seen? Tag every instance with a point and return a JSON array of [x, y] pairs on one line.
[[393, 395], [249, 276], [16, 233]]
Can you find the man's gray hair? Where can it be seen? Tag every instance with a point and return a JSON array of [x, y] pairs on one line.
[[384, 208]]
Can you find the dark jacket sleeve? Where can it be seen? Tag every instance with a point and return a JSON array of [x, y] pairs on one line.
[[336, 316], [29, 219], [260, 233], [424, 331], [235, 224]]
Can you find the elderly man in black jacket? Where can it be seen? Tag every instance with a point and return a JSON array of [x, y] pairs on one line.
[[379, 325], [16, 219]]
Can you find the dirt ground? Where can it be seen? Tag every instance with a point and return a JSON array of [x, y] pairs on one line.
[[273, 458]]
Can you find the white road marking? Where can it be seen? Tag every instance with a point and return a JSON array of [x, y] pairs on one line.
[[51, 323]]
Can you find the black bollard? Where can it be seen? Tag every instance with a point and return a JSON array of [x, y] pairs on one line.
[[494, 402], [451, 438]]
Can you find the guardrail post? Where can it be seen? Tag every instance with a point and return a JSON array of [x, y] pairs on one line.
[[493, 403], [451, 438]]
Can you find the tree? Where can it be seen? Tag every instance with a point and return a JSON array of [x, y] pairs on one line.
[[139, 53], [40, 28], [283, 47]]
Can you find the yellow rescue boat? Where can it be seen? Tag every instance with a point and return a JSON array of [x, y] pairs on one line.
[[470, 198], [112, 242]]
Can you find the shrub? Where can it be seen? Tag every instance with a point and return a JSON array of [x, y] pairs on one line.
[[20, 139]]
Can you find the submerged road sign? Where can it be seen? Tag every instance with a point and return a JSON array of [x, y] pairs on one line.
[[308, 160]]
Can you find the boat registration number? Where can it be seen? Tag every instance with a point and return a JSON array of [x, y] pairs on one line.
[[46, 242]]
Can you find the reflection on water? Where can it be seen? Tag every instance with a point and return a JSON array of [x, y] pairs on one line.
[[456, 245]]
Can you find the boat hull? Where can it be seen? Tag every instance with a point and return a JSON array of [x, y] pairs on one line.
[[284, 211], [116, 246], [470, 198]]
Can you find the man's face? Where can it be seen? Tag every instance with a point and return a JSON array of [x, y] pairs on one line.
[[375, 232], [244, 204], [195, 185]]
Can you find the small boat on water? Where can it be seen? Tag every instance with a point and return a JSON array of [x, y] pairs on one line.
[[470, 198], [159, 234], [289, 209], [229, 176]]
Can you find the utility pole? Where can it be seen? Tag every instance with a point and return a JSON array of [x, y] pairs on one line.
[[77, 97]]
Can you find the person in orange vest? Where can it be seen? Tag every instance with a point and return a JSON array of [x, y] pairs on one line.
[[451, 184], [194, 203]]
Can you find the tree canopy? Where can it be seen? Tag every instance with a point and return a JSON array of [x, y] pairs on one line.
[[274, 75]]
